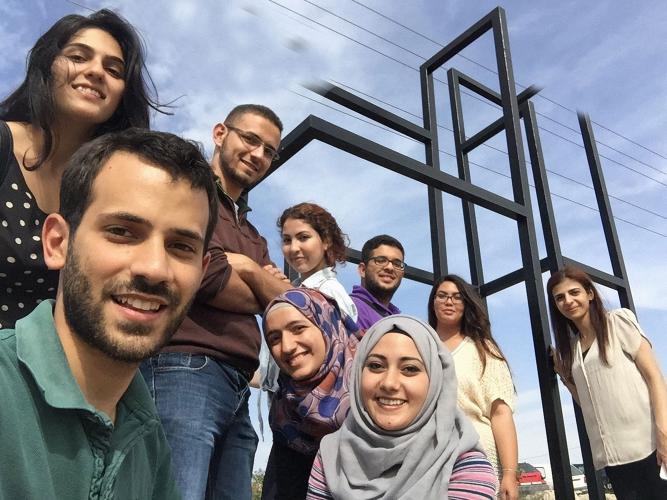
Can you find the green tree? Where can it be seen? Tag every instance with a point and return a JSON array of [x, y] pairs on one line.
[[256, 485]]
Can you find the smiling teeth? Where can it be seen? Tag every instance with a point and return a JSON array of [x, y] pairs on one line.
[[88, 90], [143, 305], [390, 402]]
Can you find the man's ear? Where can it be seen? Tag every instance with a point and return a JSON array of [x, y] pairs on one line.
[[361, 269], [55, 240], [219, 133], [206, 260]]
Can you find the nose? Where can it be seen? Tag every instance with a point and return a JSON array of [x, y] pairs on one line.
[[151, 261], [287, 343], [294, 246], [257, 153], [94, 69], [390, 381]]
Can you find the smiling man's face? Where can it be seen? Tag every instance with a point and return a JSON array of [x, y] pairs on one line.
[[240, 164], [136, 259]]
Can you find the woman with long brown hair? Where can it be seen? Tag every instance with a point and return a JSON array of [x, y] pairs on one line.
[[485, 388], [85, 77], [606, 362]]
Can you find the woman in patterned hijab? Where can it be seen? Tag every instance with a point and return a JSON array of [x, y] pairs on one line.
[[313, 343]]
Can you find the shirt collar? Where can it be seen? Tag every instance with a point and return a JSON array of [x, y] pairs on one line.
[[241, 203], [316, 278], [39, 349], [361, 291]]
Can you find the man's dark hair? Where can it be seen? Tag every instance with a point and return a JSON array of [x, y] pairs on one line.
[[255, 109], [33, 102], [180, 158], [376, 241]]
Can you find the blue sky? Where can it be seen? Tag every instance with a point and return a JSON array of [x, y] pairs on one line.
[[605, 58]]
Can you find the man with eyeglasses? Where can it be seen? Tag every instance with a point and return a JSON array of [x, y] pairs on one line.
[[200, 380], [381, 270]]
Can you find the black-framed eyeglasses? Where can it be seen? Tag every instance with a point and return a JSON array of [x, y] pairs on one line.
[[253, 142], [456, 298], [381, 260]]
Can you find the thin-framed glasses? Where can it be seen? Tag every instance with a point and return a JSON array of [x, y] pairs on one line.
[[381, 260], [253, 142], [456, 298]]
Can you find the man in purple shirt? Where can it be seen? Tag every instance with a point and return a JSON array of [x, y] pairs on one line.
[[381, 270]]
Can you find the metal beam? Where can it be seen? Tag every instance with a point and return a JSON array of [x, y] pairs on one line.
[[604, 206], [318, 129], [413, 273], [537, 309], [370, 110], [469, 217], [460, 42]]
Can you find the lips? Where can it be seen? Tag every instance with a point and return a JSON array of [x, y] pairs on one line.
[[141, 304], [89, 90], [250, 165], [390, 402], [295, 359]]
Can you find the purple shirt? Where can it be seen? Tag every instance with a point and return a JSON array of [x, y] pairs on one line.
[[369, 309]]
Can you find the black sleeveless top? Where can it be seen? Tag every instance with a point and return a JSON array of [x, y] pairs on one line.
[[24, 279]]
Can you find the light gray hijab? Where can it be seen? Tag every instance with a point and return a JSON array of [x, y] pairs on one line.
[[363, 461]]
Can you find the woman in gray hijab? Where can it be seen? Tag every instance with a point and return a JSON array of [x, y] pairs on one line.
[[404, 437]]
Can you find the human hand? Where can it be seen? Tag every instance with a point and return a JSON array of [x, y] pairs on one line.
[[661, 451], [276, 272], [559, 366], [240, 263], [509, 487]]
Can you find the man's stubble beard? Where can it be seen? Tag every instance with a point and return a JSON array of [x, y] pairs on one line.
[[85, 316]]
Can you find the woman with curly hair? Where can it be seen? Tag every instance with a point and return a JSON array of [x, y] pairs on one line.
[[485, 388], [85, 77], [312, 244], [313, 344], [606, 362]]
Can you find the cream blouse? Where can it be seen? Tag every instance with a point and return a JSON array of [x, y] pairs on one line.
[[615, 399], [477, 391]]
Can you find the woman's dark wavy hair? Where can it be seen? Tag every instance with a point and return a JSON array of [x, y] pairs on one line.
[[563, 328], [475, 323], [33, 100], [324, 224]]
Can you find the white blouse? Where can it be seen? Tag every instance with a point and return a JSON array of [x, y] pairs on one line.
[[615, 399], [326, 281]]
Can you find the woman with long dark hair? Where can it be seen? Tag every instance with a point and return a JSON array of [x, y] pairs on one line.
[[85, 76], [485, 388], [606, 362]]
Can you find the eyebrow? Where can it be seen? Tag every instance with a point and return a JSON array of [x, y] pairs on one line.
[[404, 358], [88, 48], [135, 219]]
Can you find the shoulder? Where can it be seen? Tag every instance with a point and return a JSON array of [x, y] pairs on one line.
[[7, 349], [624, 326], [622, 314]]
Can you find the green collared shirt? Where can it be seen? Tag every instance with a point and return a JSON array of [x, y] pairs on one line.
[[55, 445]]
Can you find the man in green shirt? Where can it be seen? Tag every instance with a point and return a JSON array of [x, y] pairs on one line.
[[77, 422]]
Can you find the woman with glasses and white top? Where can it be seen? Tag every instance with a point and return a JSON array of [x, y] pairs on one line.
[[485, 388]]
